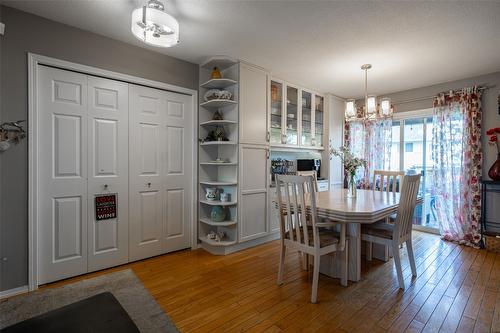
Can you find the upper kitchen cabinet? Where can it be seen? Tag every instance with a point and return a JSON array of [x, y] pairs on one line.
[[307, 118], [253, 105], [295, 116], [319, 113], [291, 132], [276, 111]]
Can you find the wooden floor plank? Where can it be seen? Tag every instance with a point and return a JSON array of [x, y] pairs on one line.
[[457, 289]]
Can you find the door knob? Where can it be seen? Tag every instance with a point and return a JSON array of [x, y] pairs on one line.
[[148, 184], [105, 186]]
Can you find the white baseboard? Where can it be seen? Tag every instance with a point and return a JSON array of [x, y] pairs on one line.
[[13, 292]]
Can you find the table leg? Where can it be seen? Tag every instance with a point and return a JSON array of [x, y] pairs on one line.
[[331, 264]]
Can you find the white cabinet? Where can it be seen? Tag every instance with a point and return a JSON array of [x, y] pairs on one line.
[[253, 105], [295, 116], [254, 185]]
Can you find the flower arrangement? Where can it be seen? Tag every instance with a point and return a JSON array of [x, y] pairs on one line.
[[351, 164], [493, 134]]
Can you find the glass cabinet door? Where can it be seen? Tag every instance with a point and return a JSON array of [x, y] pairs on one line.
[[276, 112], [292, 98], [318, 126], [306, 133]]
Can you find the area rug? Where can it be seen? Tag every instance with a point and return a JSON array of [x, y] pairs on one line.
[[124, 285]]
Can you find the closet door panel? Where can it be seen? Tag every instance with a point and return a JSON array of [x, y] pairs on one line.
[[146, 127], [178, 172], [62, 172], [108, 170]]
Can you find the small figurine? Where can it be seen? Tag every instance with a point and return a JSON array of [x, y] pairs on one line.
[[218, 115], [216, 73]]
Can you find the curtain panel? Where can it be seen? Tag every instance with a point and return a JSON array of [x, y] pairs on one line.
[[371, 140], [457, 155]]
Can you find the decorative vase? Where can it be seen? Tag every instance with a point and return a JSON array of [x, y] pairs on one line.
[[218, 214], [494, 172], [216, 73], [211, 194], [351, 187]]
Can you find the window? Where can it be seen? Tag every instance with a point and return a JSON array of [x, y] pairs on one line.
[[409, 147]]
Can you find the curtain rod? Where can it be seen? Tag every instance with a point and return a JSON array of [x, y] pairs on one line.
[[480, 88]]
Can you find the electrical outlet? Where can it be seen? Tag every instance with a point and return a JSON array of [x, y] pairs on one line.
[[2, 28]]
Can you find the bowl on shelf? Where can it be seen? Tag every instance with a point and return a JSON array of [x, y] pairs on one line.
[[217, 94]]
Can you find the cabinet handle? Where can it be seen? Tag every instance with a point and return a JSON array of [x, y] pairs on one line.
[[268, 136]]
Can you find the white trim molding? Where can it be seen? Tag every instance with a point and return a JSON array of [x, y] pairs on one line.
[[33, 61], [13, 292]]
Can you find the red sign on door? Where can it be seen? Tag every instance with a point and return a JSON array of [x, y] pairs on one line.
[[105, 207]]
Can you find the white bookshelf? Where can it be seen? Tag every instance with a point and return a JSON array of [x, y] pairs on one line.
[[211, 172]]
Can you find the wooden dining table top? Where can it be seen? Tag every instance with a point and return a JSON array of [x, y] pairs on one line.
[[367, 207]]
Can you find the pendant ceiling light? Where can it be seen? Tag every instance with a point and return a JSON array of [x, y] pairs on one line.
[[371, 109], [153, 26]]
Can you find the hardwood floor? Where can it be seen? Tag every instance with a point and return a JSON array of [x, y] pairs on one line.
[[457, 289]]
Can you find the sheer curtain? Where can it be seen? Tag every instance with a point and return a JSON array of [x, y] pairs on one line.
[[370, 140], [457, 154]]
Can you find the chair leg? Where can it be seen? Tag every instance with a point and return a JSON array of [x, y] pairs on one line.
[[282, 264], [344, 268], [411, 257], [386, 253], [369, 247], [314, 292], [397, 263]]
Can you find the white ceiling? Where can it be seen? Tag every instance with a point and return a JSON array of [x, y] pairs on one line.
[[320, 45]]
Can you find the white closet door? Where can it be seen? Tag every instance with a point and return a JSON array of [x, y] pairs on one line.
[[161, 177], [177, 171], [107, 170], [62, 184], [147, 119]]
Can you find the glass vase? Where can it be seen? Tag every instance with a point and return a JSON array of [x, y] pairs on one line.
[[351, 187]]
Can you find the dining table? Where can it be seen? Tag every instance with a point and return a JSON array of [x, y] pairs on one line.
[[368, 206]]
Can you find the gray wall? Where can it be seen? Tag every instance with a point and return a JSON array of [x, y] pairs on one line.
[[29, 33], [491, 118]]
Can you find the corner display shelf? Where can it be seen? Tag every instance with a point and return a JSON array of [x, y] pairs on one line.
[[218, 103], [211, 173]]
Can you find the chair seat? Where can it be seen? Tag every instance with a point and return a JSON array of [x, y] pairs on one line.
[[379, 229], [326, 237]]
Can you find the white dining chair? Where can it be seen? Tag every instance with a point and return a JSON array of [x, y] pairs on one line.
[[311, 173], [388, 181], [300, 229], [393, 235]]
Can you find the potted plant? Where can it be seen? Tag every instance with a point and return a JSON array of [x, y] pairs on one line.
[[351, 164], [494, 172]]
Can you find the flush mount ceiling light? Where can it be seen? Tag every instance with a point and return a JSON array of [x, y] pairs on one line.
[[371, 109], [152, 25]]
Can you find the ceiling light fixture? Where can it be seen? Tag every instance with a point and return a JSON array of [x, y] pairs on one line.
[[371, 108], [152, 25]]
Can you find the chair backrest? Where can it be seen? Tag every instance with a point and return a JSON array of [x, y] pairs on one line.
[[406, 208], [311, 173], [388, 180], [293, 198]]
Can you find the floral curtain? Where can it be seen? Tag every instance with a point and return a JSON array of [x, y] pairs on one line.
[[371, 140], [457, 156]]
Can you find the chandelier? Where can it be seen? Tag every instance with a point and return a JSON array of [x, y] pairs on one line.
[[372, 108], [152, 25]]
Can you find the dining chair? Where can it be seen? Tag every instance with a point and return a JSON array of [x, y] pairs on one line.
[[311, 173], [388, 181], [396, 234], [301, 230]]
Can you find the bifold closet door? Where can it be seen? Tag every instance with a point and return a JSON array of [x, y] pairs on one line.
[[160, 169], [107, 170], [62, 174], [82, 149]]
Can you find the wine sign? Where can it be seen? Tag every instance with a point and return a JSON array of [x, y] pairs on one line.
[[105, 207]]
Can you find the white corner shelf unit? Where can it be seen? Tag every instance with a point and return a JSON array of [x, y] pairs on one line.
[[218, 160]]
